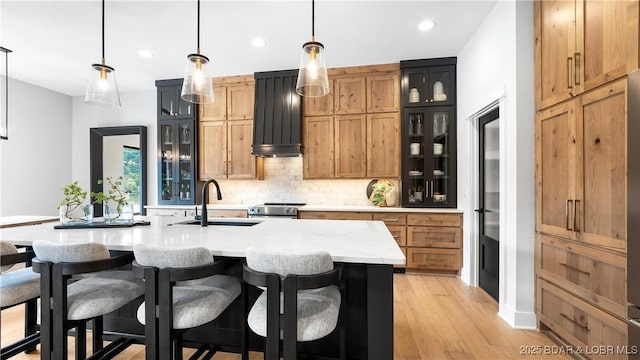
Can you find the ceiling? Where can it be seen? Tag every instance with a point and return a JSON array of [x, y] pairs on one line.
[[55, 42]]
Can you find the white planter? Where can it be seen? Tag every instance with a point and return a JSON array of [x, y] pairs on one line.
[[76, 215], [112, 215]]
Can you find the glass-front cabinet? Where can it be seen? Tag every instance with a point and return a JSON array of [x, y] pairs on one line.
[[429, 133], [176, 167], [171, 105], [429, 150]]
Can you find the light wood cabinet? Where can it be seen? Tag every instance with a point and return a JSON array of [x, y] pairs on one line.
[[580, 323], [335, 215], [318, 147], [582, 44], [226, 132], [383, 145], [361, 118], [350, 95], [581, 171], [383, 93], [350, 146]]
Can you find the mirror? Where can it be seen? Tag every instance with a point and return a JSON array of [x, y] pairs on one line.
[[120, 151]]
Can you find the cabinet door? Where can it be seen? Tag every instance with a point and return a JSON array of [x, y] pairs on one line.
[[319, 105], [213, 150], [166, 187], [350, 133], [217, 110], [383, 145], [350, 95], [606, 41], [167, 102], [318, 147], [441, 85], [185, 168], [240, 101], [241, 164], [557, 169], [554, 51], [383, 93], [602, 214], [186, 110]]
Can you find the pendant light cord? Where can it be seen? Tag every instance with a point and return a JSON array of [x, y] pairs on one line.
[[198, 27], [313, 20], [102, 32]]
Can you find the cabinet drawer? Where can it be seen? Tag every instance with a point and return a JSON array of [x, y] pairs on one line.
[[591, 274], [434, 259], [399, 233], [227, 213], [580, 323], [334, 215], [391, 218], [435, 219], [439, 237]]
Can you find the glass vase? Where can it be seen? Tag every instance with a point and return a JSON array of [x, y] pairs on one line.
[[114, 215], [71, 215]]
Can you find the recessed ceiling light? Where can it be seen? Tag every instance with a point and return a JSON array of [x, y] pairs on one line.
[[426, 25], [145, 53], [258, 42]]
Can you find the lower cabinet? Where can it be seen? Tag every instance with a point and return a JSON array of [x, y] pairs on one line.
[[191, 213], [430, 241], [589, 330]]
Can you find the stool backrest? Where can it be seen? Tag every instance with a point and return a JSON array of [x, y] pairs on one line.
[[164, 257], [69, 252], [7, 248], [285, 262]]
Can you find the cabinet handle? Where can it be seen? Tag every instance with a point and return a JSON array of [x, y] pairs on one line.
[[568, 318], [575, 215], [569, 61], [566, 214], [576, 74], [224, 167], [575, 268], [390, 220], [432, 188]]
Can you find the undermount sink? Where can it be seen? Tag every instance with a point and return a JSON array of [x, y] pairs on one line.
[[220, 222]]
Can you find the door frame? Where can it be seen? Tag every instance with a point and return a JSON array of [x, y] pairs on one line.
[[473, 199]]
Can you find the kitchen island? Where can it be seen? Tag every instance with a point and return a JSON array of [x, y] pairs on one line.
[[365, 249]]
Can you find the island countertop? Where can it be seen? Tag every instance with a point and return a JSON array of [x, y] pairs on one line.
[[367, 242]]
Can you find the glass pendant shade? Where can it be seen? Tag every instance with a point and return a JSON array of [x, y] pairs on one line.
[[312, 77], [103, 88], [197, 86]]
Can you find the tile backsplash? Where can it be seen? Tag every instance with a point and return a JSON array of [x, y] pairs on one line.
[[283, 183]]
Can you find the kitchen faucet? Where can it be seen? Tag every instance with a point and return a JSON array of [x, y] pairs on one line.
[[204, 221]]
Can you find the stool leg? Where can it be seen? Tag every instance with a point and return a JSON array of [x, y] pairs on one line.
[[81, 341], [30, 321], [98, 329]]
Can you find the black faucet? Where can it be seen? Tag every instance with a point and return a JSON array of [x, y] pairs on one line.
[[204, 221]]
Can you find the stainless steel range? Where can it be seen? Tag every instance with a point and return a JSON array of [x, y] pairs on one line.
[[281, 210]]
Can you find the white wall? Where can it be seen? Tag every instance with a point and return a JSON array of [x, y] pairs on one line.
[[138, 109], [36, 160], [497, 65]]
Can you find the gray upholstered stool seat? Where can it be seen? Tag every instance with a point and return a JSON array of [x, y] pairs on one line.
[[201, 302], [193, 283], [317, 313], [18, 286], [307, 302]]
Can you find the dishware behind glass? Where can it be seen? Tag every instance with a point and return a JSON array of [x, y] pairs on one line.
[[437, 149], [414, 148]]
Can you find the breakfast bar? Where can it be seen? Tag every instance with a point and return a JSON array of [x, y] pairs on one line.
[[365, 250]]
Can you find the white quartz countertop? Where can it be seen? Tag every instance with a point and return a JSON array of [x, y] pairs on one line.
[[353, 208], [10, 221], [346, 240]]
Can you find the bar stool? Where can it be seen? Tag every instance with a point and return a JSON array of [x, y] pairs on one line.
[[19, 287], [184, 289], [76, 288], [300, 301]]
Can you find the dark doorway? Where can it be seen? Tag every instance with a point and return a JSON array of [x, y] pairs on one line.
[[489, 203]]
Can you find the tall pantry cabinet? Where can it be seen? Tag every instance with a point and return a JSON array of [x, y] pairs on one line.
[[583, 51]]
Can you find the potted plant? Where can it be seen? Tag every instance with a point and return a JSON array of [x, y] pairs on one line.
[[72, 207], [115, 201]]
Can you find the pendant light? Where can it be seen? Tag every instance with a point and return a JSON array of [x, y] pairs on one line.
[[102, 88], [312, 77], [197, 86]]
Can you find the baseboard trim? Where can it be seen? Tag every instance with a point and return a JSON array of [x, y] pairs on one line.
[[518, 319]]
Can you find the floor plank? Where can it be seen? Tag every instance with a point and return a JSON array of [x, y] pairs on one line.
[[435, 317]]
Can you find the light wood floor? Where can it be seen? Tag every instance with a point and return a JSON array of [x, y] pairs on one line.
[[436, 317]]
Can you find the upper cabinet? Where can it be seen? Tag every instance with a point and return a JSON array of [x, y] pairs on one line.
[[170, 104], [434, 84], [233, 101], [354, 132], [582, 44]]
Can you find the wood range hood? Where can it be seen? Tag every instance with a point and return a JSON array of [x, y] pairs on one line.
[[277, 125]]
